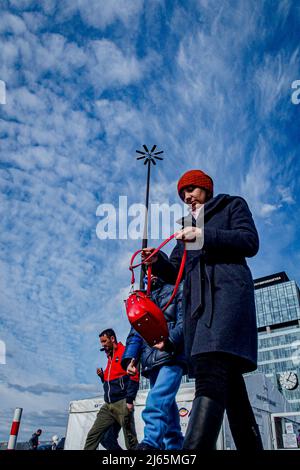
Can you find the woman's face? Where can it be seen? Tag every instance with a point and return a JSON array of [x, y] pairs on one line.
[[194, 196]]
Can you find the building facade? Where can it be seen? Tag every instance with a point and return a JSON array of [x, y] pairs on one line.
[[278, 319]]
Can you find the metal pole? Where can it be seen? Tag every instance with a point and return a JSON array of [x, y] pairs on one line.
[[14, 429], [145, 235], [149, 156]]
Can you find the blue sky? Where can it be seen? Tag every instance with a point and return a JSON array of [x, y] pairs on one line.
[[88, 82]]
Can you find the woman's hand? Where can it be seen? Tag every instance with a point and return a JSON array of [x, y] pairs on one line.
[[160, 346], [147, 252], [189, 234], [131, 369]]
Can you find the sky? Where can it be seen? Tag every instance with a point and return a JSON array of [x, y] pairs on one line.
[[87, 83]]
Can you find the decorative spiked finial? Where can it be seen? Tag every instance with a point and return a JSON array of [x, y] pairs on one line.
[[149, 156]]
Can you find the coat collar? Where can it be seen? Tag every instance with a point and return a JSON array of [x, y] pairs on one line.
[[116, 350], [209, 208]]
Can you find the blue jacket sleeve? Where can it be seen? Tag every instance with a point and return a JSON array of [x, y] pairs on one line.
[[133, 348], [176, 333], [240, 239]]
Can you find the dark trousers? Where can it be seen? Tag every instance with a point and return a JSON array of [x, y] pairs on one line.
[[218, 377], [110, 438]]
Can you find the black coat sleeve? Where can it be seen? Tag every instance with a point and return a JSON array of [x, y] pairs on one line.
[[241, 239]]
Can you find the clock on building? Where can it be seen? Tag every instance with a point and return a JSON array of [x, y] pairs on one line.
[[288, 380]]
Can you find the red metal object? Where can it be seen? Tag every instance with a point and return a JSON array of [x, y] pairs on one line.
[[143, 314], [146, 318], [14, 428]]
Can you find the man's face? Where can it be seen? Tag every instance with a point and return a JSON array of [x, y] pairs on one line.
[[194, 196], [107, 342]]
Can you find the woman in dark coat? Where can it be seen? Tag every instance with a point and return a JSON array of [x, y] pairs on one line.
[[220, 331]]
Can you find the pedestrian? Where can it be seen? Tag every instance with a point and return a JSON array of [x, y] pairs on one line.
[[164, 365], [119, 394], [55, 441], [109, 440], [298, 438], [220, 332], [34, 440]]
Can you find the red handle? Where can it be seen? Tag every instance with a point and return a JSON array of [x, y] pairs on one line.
[[149, 271], [132, 267], [178, 280]]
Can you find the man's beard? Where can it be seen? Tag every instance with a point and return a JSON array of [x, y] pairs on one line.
[[108, 351]]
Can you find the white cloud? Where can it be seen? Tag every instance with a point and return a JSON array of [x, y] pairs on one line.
[[110, 67], [21, 3], [286, 195], [101, 13], [273, 79], [12, 24], [119, 117], [100, 63], [35, 21], [267, 209], [2, 92]]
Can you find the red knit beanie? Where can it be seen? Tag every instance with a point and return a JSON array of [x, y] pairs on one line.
[[195, 178]]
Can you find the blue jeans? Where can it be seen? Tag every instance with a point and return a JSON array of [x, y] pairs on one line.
[[162, 422]]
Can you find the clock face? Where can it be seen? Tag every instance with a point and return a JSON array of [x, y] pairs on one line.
[[288, 380]]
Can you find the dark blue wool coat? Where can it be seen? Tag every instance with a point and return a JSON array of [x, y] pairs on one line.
[[219, 308]]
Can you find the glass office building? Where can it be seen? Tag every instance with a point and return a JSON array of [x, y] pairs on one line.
[[278, 317]]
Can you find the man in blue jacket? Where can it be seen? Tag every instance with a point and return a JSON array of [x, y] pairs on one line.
[[164, 365]]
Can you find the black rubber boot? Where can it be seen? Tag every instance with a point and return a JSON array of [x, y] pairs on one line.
[[204, 424]]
